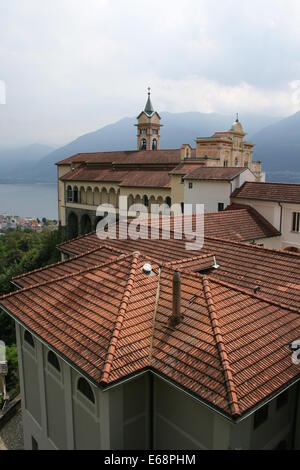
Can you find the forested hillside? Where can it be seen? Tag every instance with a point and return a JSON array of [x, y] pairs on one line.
[[21, 252]]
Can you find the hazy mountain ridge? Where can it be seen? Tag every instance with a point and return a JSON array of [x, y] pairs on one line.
[[278, 146], [178, 128], [277, 143], [16, 163]]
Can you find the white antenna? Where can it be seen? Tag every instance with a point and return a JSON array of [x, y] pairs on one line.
[[215, 265]]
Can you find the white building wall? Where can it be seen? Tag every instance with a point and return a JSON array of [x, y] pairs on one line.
[[246, 175], [272, 212], [289, 238], [209, 193]]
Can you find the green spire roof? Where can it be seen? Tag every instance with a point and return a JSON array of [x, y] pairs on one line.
[[149, 107]]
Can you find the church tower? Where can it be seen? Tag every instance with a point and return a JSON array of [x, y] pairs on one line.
[[148, 126]]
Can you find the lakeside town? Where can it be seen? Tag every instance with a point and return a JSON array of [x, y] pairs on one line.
[[15, 222]]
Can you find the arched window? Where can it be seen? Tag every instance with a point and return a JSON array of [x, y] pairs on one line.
[[146, 201], [75, 195], [29, 338], [168, 201], [225, 163], [154, 144], [236, 161], [69, 194], [52, 359], [143, 145], [84, 387]]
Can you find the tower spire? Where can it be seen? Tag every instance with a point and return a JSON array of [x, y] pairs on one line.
[[149, 110], [148, 136]]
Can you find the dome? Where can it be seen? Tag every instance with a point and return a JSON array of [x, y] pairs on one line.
[[237, 127]]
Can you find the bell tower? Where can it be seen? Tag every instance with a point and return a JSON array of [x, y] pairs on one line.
[[148, 127]]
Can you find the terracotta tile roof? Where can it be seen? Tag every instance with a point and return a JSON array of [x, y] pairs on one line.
[[186, 167], [147, 179], [94, 257], [166, 156], [277, 192], [231, 348], [275, 273], [84, 173], [242, 225], [215, 173]]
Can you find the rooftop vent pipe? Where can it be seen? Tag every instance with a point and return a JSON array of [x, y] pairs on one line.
[[176, 316], [147, 269]]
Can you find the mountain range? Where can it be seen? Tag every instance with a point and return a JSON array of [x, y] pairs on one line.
[[277, 144]]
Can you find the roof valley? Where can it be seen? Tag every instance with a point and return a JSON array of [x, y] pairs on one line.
[[231, 390]]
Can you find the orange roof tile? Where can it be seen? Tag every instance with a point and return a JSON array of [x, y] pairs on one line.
[[275, 273], [94, 257], [277, 192], [163, 156], [231, 348], [215, 173]]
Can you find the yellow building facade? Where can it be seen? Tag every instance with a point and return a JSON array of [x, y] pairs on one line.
[[146, 176]]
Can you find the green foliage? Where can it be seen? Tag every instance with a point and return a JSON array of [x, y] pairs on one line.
[[21, 252]]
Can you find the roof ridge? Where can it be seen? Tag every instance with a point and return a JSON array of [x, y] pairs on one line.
[[118, 325], [260, 218], [243, 290], [157, 297], [58, 263], [233, 398], [66, 276], [271, 182], [169, 264], [256, 247]]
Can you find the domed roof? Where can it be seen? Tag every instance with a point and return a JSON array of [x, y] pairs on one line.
[[237, 127]]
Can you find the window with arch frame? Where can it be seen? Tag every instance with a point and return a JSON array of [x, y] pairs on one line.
[[28, 338], [85, 389], [53, 360], [69, 194], [154, 144], [143, 144]]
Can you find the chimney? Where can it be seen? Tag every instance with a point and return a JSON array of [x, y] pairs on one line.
[[176, 316]]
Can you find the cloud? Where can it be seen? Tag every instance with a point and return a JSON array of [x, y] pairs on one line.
[[71, 67]]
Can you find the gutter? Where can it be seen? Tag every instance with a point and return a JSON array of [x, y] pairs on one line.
[[281, 214]]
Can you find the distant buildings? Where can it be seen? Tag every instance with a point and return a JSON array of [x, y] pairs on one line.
[[150, 175], [199, 351], [8, 222]]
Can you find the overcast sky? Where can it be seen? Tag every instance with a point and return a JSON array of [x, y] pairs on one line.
[[71, 66]]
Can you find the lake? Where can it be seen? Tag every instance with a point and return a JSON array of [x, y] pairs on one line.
[[29, 200]]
